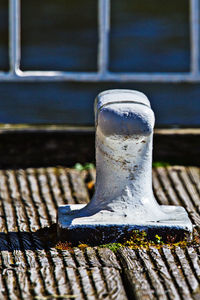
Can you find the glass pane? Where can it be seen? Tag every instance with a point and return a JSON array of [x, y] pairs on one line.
[[150, 36], [59, 35], [4, 60], [199, 36]]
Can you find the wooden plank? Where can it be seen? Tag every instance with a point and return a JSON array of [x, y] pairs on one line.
[[56, 262], [3, 288], [75, 283], [167, 187], [187, 271], [58, 278], [190, 189], [79, 258], [107, 258], [24, 226], [193, 258], [114, 283], [65, 186], [38, 201], [176, 274], [182, 194], [19, 213], [14, 291], [195, 177], [92, 259], [102, 266], [153, 277], [86, 283], [138, 286], [46, 194], [55, 189], [47, 272], [99, 283], [37, 285], [158, 189], [26, 198], [9, 276], [98, 274], [14, 273], [89, 263], [164, 274], [62, 283], [67, 259], [78, 187], [13, 211]]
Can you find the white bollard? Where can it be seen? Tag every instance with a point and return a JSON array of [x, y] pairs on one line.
[[123, 199]]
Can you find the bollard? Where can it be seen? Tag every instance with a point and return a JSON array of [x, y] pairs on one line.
[[123, 200]]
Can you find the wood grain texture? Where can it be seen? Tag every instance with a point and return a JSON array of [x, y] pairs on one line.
[[31, 267]]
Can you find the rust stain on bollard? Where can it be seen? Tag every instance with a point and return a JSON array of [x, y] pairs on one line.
[[123, 199]]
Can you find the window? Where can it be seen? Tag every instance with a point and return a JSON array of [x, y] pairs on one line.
[[62, 53]]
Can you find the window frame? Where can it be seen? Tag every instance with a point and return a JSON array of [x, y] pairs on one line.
[[103, 74]]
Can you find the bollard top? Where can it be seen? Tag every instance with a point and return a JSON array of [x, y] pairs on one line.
[[123, 113], [119, 96]]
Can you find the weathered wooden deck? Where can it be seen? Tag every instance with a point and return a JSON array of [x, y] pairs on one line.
[[30, 269]]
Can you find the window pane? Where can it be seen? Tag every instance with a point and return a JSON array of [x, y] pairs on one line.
[[59, 35], [4, 62], [199, 37], [150, 36]]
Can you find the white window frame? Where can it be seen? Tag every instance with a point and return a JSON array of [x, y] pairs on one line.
[[103, 74]]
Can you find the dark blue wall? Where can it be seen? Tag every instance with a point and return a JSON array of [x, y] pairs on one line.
[[146, 36]]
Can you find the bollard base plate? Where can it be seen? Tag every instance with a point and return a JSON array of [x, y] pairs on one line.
[[93, 230]]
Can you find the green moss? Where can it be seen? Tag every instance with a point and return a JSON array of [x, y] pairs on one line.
[[86, 166], [138, 240], [112, 246], [160, 164]]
